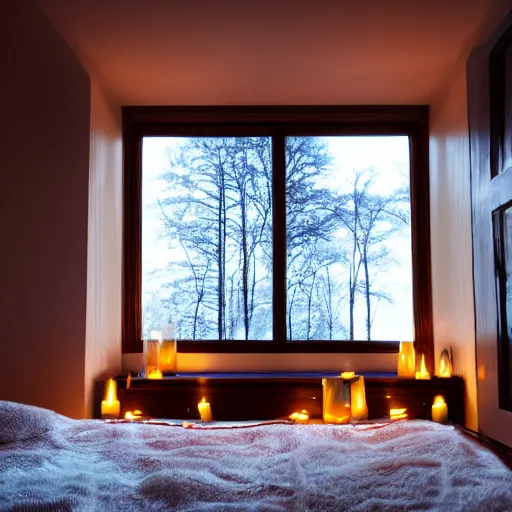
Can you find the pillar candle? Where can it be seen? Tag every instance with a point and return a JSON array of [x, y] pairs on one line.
[[110, 406], [439, 410], [335, 400], [358, 400], [205, 410]]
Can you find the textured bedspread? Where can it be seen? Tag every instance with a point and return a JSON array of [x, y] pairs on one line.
[[48, 462]]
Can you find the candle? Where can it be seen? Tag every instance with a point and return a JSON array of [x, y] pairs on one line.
[[358, 400], [205, 410], [439, 410], [110, 407], [300, 417], [151, 352], [167, 356], [406, 359], [423, 374], [398, 414], [135, 415], [335, 400]]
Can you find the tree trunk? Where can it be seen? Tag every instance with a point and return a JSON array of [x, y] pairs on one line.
[[367, 294]]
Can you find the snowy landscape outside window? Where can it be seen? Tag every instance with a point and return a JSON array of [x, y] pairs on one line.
[[207, 237]]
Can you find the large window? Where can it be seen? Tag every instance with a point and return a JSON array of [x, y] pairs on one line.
[[277, 230]]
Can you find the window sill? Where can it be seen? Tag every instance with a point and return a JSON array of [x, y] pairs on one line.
[[295, 347]]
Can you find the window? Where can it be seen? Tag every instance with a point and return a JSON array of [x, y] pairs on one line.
[[277, 229]]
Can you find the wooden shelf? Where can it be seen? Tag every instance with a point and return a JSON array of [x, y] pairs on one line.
[[266, 396]]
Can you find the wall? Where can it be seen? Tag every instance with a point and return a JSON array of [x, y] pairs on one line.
[[450, 195], [452, 271], [43, 213], [103, 333]]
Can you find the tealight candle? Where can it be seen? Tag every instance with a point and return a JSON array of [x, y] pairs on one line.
[[205, 410], [300, 417], [110, 407], [398, 414], [439, 410], [423, 374]]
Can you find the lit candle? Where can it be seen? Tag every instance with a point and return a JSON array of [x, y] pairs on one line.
[[336, 400], [398, 414], [348, 375], [110, 407], [205, 410], [423, 374], [300, 417], [154, 374], [358, 400], [406, 359], [167, 356], [135, 415], [151, 352], [439, 410]]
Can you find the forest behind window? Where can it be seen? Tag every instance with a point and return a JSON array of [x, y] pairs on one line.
[[207, 237]]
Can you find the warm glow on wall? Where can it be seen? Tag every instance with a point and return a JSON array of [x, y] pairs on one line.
[[445, 364]]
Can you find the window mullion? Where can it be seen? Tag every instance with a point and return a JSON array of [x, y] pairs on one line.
[[279, 238]]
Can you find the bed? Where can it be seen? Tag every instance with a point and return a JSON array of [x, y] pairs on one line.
[[50, 462]]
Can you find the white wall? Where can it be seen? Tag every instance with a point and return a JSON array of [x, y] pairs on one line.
[[44, 137], [452, 271], [104, 257]]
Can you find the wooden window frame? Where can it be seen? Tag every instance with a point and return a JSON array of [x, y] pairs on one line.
[[412, 121]]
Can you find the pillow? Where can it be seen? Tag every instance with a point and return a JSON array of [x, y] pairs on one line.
[[19, 422]]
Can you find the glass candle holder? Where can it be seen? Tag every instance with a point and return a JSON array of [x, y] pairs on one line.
[[151, 359], [167, 356], [406, 359], [336, 400], [358, 406]]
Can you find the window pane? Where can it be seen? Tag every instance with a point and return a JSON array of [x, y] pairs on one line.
[[207, 236], [349, 257]]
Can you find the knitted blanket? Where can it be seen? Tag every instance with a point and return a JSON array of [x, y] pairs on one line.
[[49, 462]]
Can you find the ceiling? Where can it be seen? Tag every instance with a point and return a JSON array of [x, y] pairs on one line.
[[213, 52]]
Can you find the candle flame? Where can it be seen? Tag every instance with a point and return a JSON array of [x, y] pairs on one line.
[[111, 391], [423, 373], [439, 400], [348, 375], [203, 400]]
